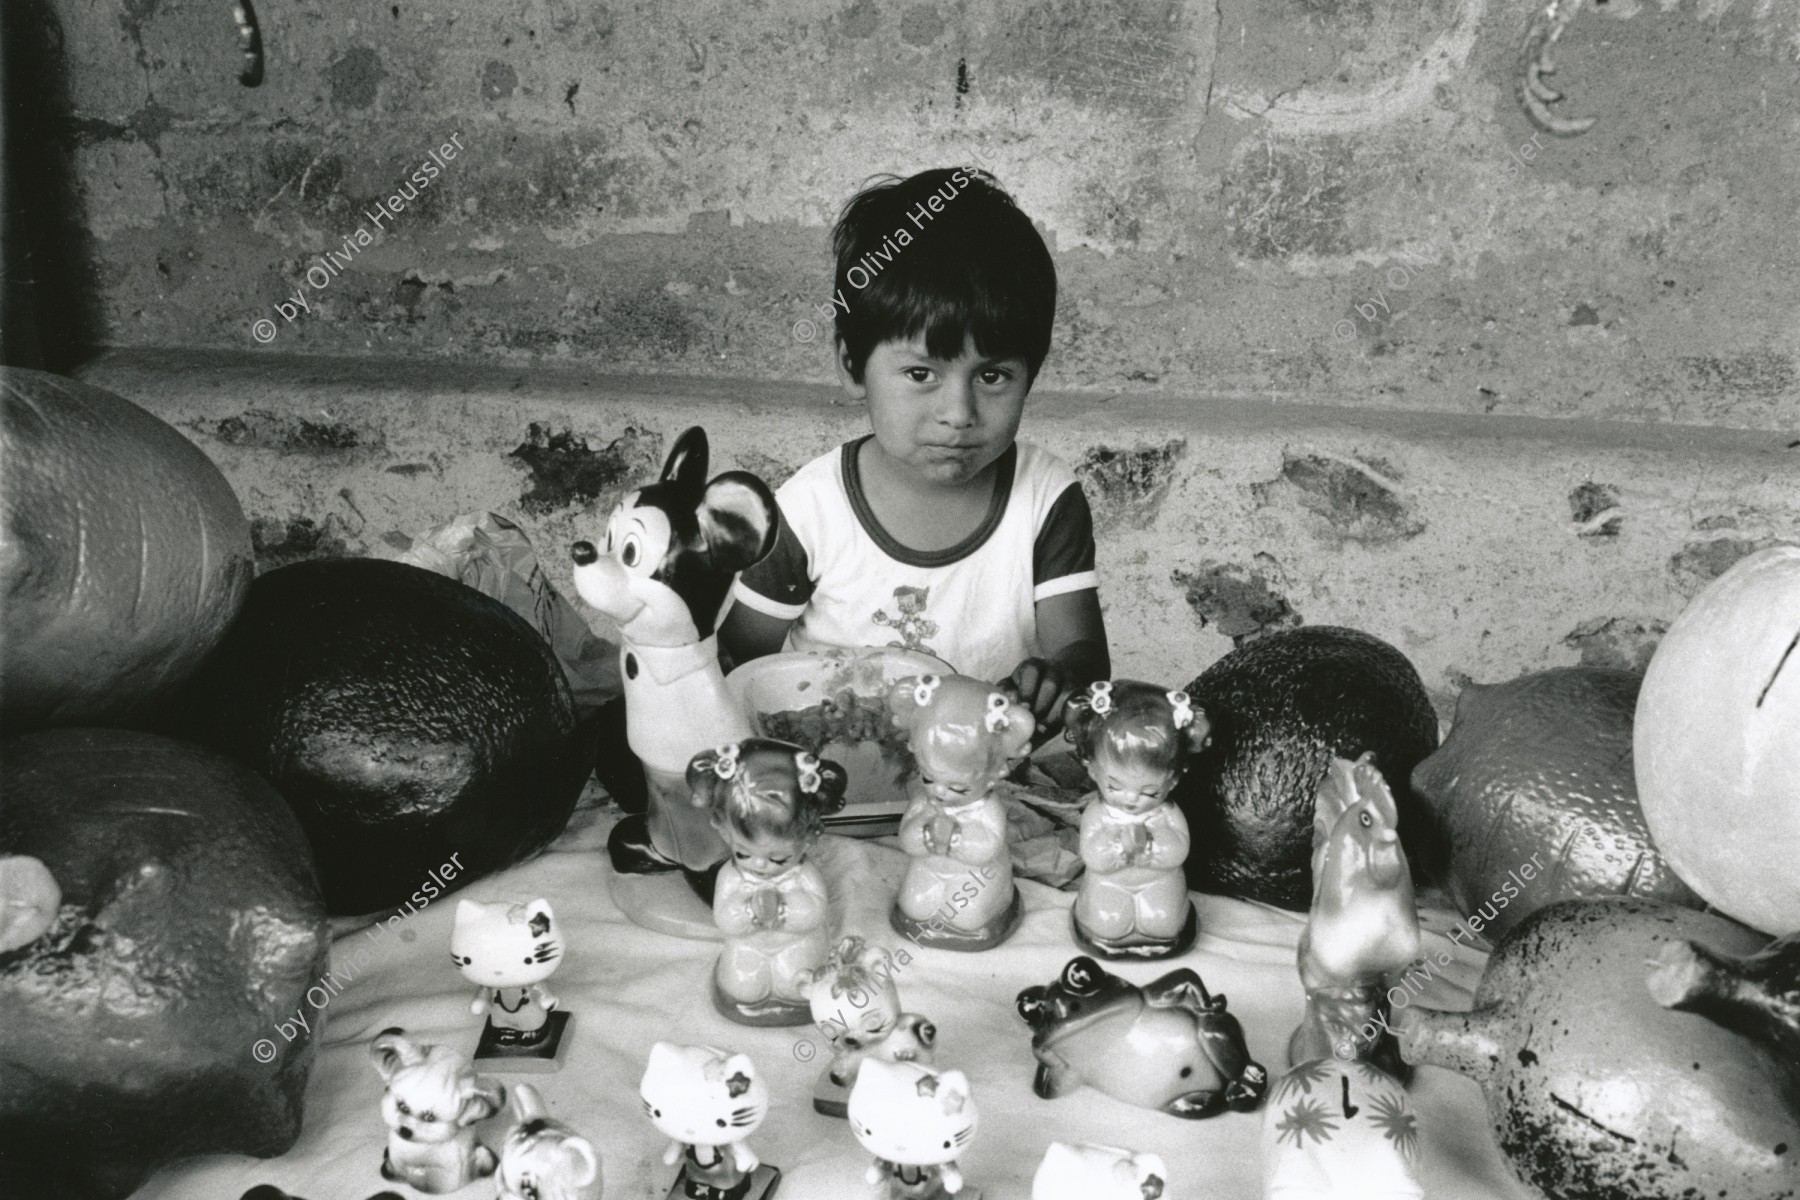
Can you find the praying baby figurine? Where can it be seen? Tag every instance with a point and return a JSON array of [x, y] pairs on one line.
[[708, 1101], [966, 735], [857, 1007], [768, 801], [510, 950], [1135, 739], [915, 1121]]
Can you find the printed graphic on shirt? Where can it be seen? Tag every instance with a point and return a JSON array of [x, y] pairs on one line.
[[912, 624]]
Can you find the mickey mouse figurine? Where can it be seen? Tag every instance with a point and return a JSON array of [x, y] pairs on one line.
[[958, 893], [769, 801], [663, 572], [1135, 739]]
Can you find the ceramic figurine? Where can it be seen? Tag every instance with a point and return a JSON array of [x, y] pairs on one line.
[[708, 1101], [543, 1159], [915, 1121], [768, 800], [1099, 1173], [1363, 931], [662, 573], [1758, 995], [432, 1102], [958, 893], [509, 950], [857, 1007], [1169, 1045], [1135, 739], [1337, 1129]]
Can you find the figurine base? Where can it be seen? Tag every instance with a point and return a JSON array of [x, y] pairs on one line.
[[939, 936], [1136, 946], [830, 1099], [771, 1012], [664, 904], [757, 1185], [540, 1057]]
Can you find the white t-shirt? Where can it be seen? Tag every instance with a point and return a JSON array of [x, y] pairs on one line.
[[844, 581]]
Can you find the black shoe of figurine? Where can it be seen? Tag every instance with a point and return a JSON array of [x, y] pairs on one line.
[[631, 850]]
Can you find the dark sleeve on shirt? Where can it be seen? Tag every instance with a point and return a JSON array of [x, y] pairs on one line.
[[1065, 542], [785, 576]]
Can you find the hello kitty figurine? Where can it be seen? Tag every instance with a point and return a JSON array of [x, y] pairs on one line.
[[1099, 1173], [966, 735], [510, 949], [915, 1121], [857, 1007], [1363, 930], [432, 1102], [708, 1101], [1135, 739], [544, 1159], [768, 801]]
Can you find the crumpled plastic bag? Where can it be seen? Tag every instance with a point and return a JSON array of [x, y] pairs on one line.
[[1043, 831], [492, 555]]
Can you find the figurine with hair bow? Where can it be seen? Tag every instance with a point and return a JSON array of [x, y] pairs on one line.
[[1135, 739], [768, 800], [966, 735]]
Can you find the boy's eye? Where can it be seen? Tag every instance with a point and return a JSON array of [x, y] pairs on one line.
[[995, 375], [918, 374]]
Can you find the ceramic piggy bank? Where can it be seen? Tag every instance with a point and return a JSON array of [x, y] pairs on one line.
[[662, 572], [432, 1102], [915, 1121], [1339, 1130], [543, 1159], [1099, 1173], [856, 1005], [707, 1101], [510, 950], [958, 893], [769, 801], [1169, 1045], [1135, 739], [1363, 931]]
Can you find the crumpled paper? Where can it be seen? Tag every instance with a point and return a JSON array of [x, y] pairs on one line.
[[492, 555], [1043, 830]]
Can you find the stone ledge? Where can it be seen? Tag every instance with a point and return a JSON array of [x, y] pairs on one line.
[[1483, 547]]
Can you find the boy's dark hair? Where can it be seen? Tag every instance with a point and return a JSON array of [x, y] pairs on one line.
[[974, 267]]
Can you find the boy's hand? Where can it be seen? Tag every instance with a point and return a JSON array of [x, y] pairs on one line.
[[1042, 685]]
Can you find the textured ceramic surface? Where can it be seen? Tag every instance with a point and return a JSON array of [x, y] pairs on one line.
[[1717, 743], [1281, 707], [142, 1025], [123, 554], [1594, 1089], [405, 717], [1541, 767], [1758, 995]]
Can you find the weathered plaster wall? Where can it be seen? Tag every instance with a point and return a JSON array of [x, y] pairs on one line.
[[1302, 200], [1482, 546]]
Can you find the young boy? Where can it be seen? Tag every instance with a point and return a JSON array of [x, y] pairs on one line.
[[937, 532]]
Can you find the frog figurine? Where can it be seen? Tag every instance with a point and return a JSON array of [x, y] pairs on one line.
[[966, 735], [1169, 1045], [1135, 740]]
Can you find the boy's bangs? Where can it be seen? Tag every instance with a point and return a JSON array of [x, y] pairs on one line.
[[950, 306]]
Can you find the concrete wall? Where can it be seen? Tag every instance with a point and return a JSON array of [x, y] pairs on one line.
[[1482, 546], [1306, 201]]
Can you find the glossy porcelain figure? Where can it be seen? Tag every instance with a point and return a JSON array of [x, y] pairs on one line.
[[768, 800], [508, 950], [707, 1101], [431, 1104], [1098, 1173], [958, 893], [915, 1121], [544, 1159], [1135, 740], [857, 1007], [663, 571], [1339, 1129], [1363, 930]]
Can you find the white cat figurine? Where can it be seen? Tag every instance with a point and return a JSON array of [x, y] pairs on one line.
[[544, 1159], [707, 1101], [510, 949], [1099, 1173], [915, 1121]]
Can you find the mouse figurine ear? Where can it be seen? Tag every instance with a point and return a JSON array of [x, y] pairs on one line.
[[686, 465], [737, 517]]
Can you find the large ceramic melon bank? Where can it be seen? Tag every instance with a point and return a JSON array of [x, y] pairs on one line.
[[1717, 742]]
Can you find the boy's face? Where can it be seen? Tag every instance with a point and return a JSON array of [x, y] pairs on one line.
[[940, 421]]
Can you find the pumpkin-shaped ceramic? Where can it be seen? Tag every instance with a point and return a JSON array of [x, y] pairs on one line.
[[1717, 742]]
